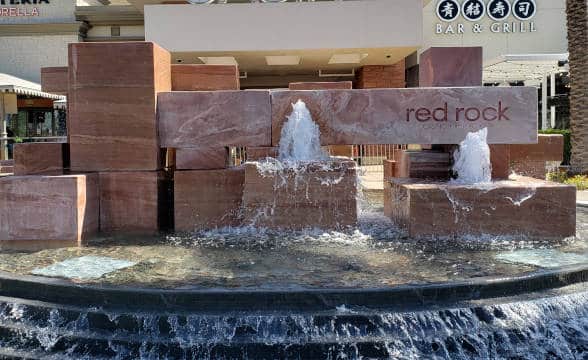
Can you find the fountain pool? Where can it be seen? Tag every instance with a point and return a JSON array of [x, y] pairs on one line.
[[243, 294]]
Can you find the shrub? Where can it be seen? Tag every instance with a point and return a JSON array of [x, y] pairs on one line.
[[558, 176], [581, 182]]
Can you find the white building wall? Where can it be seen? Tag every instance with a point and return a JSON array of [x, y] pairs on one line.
[[125, 30], [550, 37], [285, 26], [57, 11], [24, 56]]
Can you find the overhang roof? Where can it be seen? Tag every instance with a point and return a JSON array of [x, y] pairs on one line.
[[522, 67], [12, 84], [140, 3]]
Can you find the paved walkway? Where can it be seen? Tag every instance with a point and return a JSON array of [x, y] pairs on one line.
[[582, 198]]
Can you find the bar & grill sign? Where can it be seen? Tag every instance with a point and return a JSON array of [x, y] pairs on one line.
[[506, 16]]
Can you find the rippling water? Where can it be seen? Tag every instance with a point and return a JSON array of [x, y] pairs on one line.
[[374, 255]]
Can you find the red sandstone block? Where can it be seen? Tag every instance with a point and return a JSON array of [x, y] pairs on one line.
[[55, 80], [423, 165], [341, 150], [522, 207], [207, 199], [6, 166], [39, 158], [315, 197], [321, 85], [532, 168], [260, 153], [204, 77], [379, 116], [548, 148], [206, 119], [112, 98], [500, 159], [199, 159], [131, 202], [451, 66], [382, 76], [389, 169], [40, 212]]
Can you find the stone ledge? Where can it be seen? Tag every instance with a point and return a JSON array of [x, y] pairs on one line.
[[320, 195], [518, 207], [68, 216]]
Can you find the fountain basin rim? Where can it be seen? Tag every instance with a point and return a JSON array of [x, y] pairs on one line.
[[406, 297]]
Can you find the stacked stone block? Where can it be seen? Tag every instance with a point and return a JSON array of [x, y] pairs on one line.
[[423, 165], [55, 80], [40, 158], [40, 212], [509, 208], [532, 159], [451, 66], [382, 76], [113, 91], [6, 166], [206, 199], [112, 100], [201, 126], [316, 195], [198, 77]]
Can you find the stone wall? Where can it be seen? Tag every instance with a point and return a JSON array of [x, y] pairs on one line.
[[382, 76]]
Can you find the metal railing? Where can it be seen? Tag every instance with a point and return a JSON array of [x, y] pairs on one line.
[[58, 139], [369, 156]]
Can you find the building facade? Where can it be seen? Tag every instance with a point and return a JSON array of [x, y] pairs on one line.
[[374, 43], [276, 42]]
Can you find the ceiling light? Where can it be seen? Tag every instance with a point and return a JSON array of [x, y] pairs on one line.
[[282, 60], [219, 60], [347, 58]]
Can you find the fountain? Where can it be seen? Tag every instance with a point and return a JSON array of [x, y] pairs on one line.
[[474, 205], [117, 254], [304, 187], [472, 160]]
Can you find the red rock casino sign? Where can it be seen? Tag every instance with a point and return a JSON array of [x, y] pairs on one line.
[[21, 8]]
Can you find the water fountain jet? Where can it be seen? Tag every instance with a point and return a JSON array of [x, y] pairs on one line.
[[303, 187]]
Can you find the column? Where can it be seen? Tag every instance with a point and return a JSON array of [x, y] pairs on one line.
[[3, 132]]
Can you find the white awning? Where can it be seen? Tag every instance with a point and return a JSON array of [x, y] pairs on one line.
[[12, 84], [531, 68]]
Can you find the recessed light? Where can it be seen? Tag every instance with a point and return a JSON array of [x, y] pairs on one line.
[[347, 58], [282, 60], [218, 60]]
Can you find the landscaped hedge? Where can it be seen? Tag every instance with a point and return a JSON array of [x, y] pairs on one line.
[[567, 142]]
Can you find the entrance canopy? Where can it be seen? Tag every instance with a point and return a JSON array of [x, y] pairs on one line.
[[12, 84], [530, 68], [326, 39]]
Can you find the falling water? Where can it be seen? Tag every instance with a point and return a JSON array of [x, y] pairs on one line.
[[555, 328], [300, 138], [472, 160]]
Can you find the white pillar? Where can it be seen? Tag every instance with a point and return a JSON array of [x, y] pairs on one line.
[[552, 94], [3, 133], [544, 103]]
